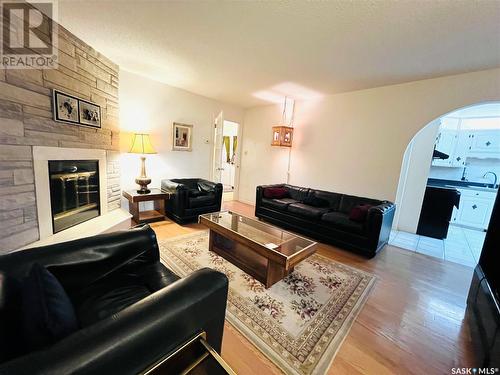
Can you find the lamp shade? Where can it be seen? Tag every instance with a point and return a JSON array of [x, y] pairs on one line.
[[142, 145]]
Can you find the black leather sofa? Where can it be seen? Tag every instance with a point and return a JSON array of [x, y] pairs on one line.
[[132, 310], [192, 197], [324, 216]]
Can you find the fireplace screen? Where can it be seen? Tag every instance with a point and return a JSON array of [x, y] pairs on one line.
[[74, 192]]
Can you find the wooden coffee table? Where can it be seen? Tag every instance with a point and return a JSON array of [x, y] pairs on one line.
[[262, 250]]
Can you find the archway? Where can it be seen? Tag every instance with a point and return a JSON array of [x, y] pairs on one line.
[[470, 155]]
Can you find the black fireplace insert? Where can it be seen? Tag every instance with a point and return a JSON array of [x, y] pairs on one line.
[[74, 192]]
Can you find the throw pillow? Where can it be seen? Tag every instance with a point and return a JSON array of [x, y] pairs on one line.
[[48, 315], [311, 200], [275, 192], [359, 213]]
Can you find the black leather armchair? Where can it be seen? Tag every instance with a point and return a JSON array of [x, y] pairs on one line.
[[191, 198], [132, 310]]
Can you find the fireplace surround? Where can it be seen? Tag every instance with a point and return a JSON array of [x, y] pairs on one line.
[[74, 192], [81, 202]]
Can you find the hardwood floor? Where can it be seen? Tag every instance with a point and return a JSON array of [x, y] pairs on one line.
[[413, 322]]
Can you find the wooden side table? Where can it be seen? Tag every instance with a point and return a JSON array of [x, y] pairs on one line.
[[156, 195]]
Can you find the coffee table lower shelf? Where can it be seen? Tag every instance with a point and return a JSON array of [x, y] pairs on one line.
[[258, 266]]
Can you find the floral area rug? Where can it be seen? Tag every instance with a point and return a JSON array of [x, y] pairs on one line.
[[300, 322]]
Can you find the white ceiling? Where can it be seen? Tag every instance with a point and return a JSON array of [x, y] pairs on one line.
[[240, 51]]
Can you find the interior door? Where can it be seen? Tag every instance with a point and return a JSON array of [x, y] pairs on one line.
[[217, 156]]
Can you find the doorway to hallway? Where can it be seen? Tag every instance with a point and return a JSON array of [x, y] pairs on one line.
[[227, 136]]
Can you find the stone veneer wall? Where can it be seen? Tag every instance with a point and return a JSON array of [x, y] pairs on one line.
[[26, 121]]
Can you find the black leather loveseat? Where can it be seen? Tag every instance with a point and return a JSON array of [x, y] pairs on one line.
[[191, 197], [132, 311], [327, 216]]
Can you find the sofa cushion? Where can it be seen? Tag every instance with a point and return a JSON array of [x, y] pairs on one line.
[[314, 201], [348, 202], [278, 204], [306, 211], [341, 221], [333, 199], [195, 193], [205, 187], [275, 192], [201, 201], [48, 314], [109, 296], [359, 212], [296, 192]]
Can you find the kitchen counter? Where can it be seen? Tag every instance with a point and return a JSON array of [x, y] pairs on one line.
[[477, 186]]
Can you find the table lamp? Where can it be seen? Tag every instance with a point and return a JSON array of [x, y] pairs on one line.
[[142, 145]]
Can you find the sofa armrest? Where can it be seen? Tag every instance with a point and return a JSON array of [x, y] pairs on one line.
[[259, 194], [140, 335], [170, 186], [210, 184], [379, 222]]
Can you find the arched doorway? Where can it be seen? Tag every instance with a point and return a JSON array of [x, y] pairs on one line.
[[459, 150]]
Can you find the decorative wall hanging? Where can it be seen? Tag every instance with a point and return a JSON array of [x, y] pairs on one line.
[[70, 109], [65, 107], [283, 134], [182, 137], [90, 114]]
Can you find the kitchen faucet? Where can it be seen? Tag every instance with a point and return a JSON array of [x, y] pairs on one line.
[[494, 175]]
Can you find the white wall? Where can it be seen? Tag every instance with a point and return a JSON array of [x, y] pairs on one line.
[[416, 167], [354, 142], [260, 162], [151, 107]]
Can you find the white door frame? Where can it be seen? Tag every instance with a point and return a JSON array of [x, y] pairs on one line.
[[237, 166]]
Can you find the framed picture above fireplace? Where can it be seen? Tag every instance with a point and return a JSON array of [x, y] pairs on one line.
[[70, 109], [65, 107], [90, 113]]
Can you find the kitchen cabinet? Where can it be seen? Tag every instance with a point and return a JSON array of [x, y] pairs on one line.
[[446, 140], [475, 208], [485, 143], [460, 141]]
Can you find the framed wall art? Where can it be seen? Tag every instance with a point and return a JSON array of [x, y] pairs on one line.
[[70, 109], [65, 107], [182, 137], [90, 113]]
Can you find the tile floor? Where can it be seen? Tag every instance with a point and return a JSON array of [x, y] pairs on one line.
[[461, 246]]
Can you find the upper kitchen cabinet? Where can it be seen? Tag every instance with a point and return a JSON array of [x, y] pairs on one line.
[[484, 137], [446, 140], [453, 141], [467, 138], [485, 143]]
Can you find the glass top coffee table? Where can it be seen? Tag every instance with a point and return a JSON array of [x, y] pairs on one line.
[[262, 250]]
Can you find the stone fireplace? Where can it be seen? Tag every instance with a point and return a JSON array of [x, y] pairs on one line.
[[28, 130]]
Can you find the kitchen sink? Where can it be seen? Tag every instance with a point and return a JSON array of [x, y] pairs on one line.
[[477, 188]]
